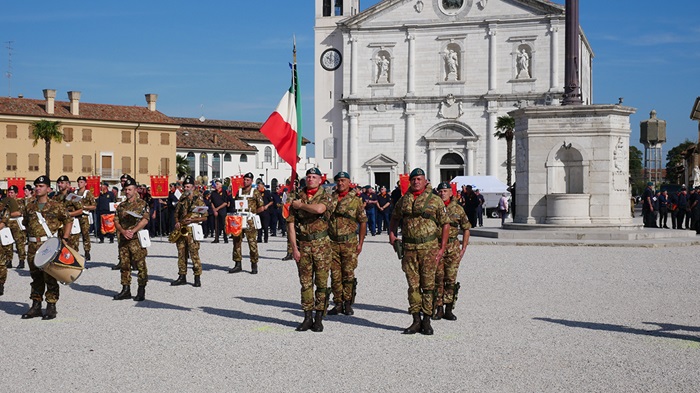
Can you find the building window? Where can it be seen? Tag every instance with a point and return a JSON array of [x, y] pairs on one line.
[[143, 138], [11, 131], [67, 163], [87, 165], [126, 136], [190, 163], [33, 163], [68, 134], [143, 165], [268, 154], [203, 164], [87, 135], [11, 161], [126, 164], [216, 166], [227, 157], [164, 166], [164, 138], [244, 158]]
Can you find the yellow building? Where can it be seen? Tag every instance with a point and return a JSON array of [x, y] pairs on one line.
[[99, 139]]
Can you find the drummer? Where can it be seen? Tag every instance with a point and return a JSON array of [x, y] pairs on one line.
[[15, 210], [5, 250], [43, 219], [255, 205], [74, 207]]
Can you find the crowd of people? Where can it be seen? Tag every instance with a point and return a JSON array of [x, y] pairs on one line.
[[683, 206]]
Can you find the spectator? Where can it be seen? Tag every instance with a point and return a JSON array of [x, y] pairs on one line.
[[480, 208], [370, 203], [383, 210]]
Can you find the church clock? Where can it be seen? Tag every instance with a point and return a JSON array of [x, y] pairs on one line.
[[331, 59]]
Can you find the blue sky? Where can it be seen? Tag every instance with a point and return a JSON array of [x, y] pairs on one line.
[[228, 59]]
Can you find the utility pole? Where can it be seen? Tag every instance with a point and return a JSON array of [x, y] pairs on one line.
[[8, 74]]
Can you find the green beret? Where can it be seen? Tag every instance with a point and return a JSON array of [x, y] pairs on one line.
[[314, 171], [341, 175], [444, 186], [416, 172], [650, 183]]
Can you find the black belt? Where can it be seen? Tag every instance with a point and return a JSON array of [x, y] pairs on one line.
[[312, 236], [342, 239]]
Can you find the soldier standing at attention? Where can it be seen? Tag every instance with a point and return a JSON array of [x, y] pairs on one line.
[[255, 205], [15, 218], [347, 213], [425, 222], [5, 251], [307, 227], [186, 245], [132, 216], [44, 218], [89, 206], [446, 283], [75, 208]]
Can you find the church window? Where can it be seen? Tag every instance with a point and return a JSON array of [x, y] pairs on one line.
[[268, 154], [244, 158]]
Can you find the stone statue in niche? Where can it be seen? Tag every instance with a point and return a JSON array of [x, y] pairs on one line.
[[620, 156], [450, 108], [482, 4], [382, 69], [523, 64], [696, 176], [451, 65]]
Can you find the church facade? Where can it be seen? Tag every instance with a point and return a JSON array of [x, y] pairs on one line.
[[421, 83]]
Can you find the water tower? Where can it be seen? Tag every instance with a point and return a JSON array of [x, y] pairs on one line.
[[652, 135]]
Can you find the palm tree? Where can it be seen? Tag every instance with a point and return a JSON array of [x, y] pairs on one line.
[[182, 167], [48, 131], [506, 130]]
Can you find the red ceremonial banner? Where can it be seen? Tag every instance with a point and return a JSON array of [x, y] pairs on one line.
[[454, 189], [93, 184], [159, 186], [19, 182], [323, 178], [236, 183], [403, 182]]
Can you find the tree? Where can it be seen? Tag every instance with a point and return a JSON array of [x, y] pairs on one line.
[[636, 170], [674, 162], [182, 166], [506, 130], [48, 131]]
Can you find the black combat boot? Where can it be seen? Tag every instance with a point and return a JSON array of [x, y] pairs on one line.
[[415, 326], [337, 309], [124, 294], [348, 308], [287, 257], [87, 255], [237, 268], [439, 313], [306, 323], [8, 264], [181, 280], [448, 312], [2, 289], [140, 294], [50, 311], [254, 268], [425, 327], [20, 265], [318, 322], [34, 311], [197, 281]]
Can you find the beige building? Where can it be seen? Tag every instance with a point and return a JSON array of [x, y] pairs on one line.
[[99, 139]]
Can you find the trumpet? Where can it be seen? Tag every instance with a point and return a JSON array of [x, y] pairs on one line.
[[175, 235]]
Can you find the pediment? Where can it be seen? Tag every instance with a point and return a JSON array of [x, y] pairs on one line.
[[380, 160]]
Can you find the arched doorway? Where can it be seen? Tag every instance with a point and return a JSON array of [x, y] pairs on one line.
[[451, 166]]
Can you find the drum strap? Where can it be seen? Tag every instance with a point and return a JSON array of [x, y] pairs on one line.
[[42, 221]]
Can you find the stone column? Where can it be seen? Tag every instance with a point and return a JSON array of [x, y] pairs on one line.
[[492, 163], [431, 164], [470, 152], [411, 65], [554, 57], [410, 139], [353, 137], [493, 66], [353, 66]]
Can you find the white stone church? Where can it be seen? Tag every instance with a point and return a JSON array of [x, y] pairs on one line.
[[420, 83]]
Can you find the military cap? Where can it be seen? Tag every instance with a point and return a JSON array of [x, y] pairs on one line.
[[206, 192], [63, 178], [314, 171], [129, 182], [28, 187], [443, 186], [104, 183], [13, 188], [248, 175], [125, 176], [650, 183], [341, 175], [416, 172], [367, 186], [42, 180], [83, 178], [217, 181], [188, 180]]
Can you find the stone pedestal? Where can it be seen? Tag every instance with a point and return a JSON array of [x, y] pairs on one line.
[[572, 165]]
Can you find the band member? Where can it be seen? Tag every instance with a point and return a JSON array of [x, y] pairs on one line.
[[347, 214], [5, 250], [425, 221], [255, 205], [311, 248], [74, 207], [131, 217], [120, 196], [15, 208], [44, 218], [186, 244], [446, 274], [103, 204], [89, 206]]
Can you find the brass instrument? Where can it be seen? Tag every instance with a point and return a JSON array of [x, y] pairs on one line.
[[175, 235]]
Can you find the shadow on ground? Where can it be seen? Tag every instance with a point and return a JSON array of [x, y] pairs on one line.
[[662, 332]]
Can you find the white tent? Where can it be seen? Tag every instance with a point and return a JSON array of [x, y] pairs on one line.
[[489, 186]]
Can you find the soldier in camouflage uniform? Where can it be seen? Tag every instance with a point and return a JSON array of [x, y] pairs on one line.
[[16, 209], [347, 214], [89, 206], [425, 222], [132, 215], [311, 248], [446, 284], [255, 205], [186, 245], [75, 208], [55, 216], [5, 251], [121, 198]]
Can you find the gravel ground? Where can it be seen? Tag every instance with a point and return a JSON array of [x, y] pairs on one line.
[[530, 319]]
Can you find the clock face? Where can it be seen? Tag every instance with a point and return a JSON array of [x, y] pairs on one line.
[[331, 59]]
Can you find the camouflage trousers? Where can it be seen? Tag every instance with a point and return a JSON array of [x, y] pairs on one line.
[[6, 253], [74, 242], [41, 282], [343, 267], [20, 241], [446, 274], [84, 233], [252, 235], [3, 269], [131, 252], [313, 269], [187, 246], [420, 266]]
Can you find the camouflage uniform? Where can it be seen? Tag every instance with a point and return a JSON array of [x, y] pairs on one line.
[[423, 218], [186, 245], [5, 251], [71, 206], [315, 248], [56, 217], [18, 234], [88, 200], [130, 250], [446, 273], [254, 202], [347, 214]]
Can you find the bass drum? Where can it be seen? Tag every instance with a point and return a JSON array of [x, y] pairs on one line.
[[60, 261]]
